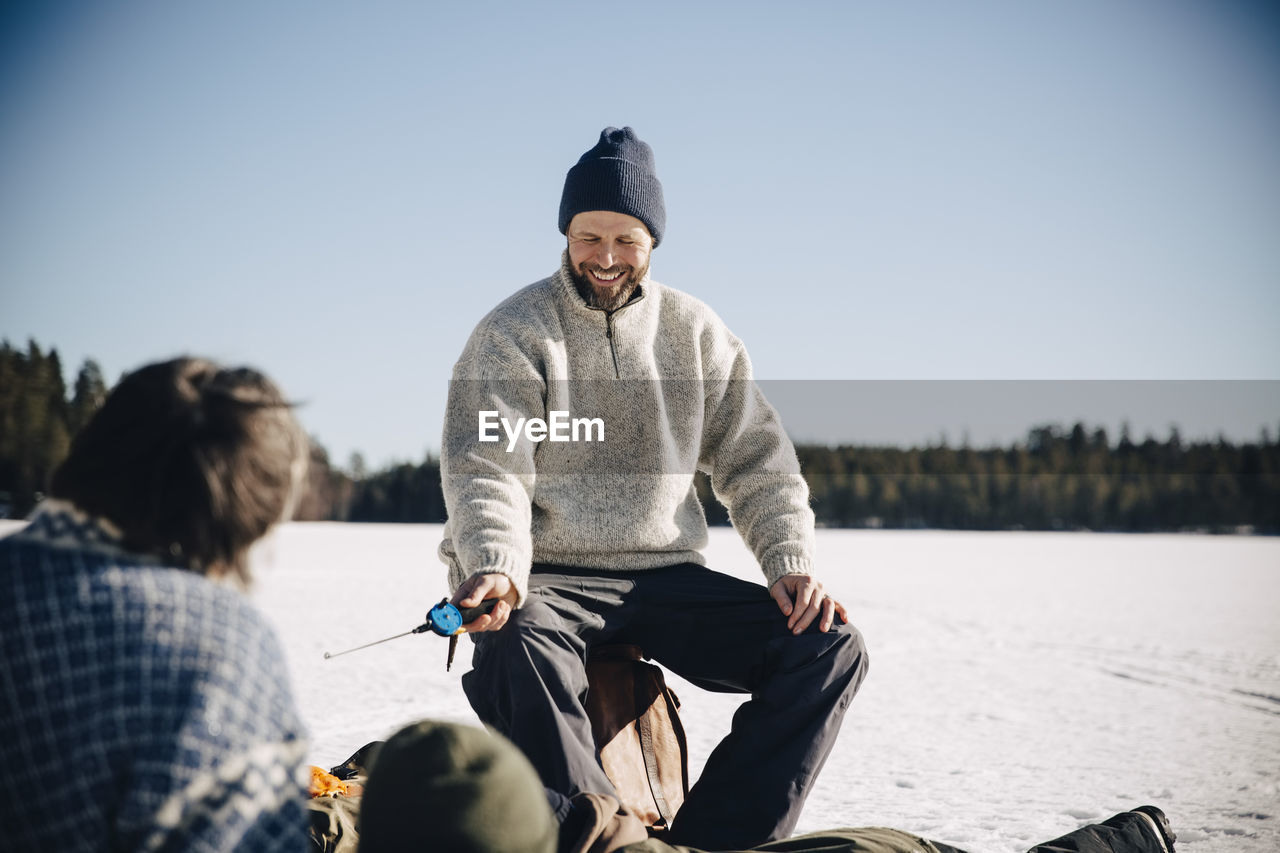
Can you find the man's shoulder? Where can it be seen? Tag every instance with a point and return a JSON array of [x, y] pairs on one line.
[[530, 306], [509, 337], [679, 303], [680, 310], [536, 294]]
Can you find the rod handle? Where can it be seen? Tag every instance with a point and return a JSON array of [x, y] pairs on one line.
[[470, 613]]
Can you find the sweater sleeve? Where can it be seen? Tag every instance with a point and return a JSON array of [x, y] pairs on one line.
[[488, 484], [755, 473]]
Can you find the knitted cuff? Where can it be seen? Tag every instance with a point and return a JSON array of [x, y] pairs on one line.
[[787, 564]]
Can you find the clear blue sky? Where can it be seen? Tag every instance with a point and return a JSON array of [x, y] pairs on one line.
[[336, 192]]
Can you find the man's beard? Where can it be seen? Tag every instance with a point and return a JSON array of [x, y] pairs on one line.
[[617, 295]]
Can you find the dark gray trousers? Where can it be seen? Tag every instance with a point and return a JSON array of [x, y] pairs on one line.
[[723, 634]]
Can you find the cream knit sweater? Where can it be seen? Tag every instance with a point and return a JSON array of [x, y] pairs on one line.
[[673, 388]]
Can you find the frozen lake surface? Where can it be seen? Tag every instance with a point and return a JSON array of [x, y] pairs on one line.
[[1021, 684]]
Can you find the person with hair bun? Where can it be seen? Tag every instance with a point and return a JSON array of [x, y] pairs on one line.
[[144, 704]]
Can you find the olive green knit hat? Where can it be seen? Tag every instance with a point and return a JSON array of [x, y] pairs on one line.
[[444, 787]]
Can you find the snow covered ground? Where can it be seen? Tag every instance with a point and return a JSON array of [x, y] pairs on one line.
[[1021, 684]]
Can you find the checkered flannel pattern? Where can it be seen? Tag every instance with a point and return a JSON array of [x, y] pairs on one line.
[[141, 707]]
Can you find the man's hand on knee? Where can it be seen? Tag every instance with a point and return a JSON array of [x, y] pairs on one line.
[[801, 600], [476, 589]]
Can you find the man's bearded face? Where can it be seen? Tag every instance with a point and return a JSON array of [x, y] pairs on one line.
[[608, 257]]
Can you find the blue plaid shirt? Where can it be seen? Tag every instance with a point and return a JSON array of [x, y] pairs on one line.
[[141, 707]]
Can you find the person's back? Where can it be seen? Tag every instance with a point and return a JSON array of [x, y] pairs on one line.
[[144, 705], [139, 702]]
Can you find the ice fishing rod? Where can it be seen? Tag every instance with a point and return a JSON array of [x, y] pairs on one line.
[[445, 620]]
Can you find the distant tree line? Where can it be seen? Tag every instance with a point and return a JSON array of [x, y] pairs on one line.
[[1058, 479], [38, 417], [401, 493]]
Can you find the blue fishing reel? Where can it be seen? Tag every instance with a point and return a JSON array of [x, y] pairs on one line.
[[445, 619]]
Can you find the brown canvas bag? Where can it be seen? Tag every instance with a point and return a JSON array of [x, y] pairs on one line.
[[637, 731]]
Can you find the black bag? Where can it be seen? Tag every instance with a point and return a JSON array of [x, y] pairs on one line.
[[636, 727]]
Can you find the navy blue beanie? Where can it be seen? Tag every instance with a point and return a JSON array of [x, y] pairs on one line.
[[617, 175]]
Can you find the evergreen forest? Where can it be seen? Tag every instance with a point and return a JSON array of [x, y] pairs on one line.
[[1058, 478]]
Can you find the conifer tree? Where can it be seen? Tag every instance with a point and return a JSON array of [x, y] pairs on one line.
[[90, 392]]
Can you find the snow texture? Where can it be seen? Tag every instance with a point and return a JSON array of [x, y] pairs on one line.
[[1021, 684]]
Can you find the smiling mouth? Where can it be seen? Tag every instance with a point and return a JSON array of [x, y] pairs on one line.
[[606, 277]]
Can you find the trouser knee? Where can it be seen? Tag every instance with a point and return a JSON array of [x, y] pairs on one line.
[[851, 649], [532, 654], [851, 654], [837, 656]]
